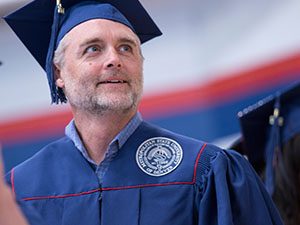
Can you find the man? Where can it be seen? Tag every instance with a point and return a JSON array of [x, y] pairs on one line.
[[112, 167], [271, 141]]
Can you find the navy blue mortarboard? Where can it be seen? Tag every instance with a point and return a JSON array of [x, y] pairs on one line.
[[267, 125], [41, 24]]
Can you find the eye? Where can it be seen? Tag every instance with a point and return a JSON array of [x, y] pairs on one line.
[[92, 49], [125, 48]]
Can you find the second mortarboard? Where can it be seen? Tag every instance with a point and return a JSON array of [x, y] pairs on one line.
[[267, 125]]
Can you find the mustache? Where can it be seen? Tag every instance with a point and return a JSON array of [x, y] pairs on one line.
[[113, 75]]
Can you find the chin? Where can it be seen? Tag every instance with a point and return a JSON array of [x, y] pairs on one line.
[[117, 104]]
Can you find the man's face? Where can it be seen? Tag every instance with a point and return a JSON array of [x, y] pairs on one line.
[[102, 68]]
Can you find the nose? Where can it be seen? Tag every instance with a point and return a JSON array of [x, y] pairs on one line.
[[112, 59]]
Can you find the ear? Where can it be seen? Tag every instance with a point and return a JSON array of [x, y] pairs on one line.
[[59, 81]]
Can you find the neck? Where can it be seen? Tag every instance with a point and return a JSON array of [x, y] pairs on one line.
[[97, 131]]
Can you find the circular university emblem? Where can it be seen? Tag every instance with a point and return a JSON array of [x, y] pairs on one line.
[[159, 156]]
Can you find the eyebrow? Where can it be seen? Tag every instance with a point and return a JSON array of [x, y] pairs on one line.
[[122, 39], [128, 40], [88, 42]]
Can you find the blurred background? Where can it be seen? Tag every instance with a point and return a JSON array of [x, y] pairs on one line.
[[215, 58]]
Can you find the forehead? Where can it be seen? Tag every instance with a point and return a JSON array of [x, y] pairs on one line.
[[101, 28]]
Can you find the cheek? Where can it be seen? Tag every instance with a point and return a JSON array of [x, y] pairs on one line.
[[139, 72], [135, 66], [84, 70], [91, 68]]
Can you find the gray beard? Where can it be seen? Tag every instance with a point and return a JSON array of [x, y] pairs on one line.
[[95, 106]]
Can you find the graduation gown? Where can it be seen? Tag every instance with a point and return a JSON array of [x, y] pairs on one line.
[[209, 186]]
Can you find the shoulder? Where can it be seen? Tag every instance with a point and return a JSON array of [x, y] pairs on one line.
[[194, 156], [46, 154], [148, 130], [49, 170], [149, 134], [200, 162], [221, 165], [44, 158]]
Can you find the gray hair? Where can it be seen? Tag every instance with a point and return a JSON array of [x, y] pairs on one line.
[[59, 54]]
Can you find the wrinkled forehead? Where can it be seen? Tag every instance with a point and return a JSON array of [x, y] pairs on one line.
[[101, 29], [86, 11]]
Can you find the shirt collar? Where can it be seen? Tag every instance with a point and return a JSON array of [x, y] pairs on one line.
[[124, 134], [120, 139]]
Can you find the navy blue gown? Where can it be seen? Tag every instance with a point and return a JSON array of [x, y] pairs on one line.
[[205, 186]]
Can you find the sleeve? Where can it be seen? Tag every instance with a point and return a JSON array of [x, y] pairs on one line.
[[230, 192]]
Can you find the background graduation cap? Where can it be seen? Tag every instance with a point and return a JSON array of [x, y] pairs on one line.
[[38, 24], [266, 126]]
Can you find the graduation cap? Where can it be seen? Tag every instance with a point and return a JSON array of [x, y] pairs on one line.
[[267, 125], [41, 24]]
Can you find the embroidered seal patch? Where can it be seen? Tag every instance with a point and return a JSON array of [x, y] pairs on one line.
[[159, 156]]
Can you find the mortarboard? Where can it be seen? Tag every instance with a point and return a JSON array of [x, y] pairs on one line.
[[41, 24], [267, 125]]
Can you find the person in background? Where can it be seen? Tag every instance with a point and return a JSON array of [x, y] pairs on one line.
[[271, 141], [111, 167]]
